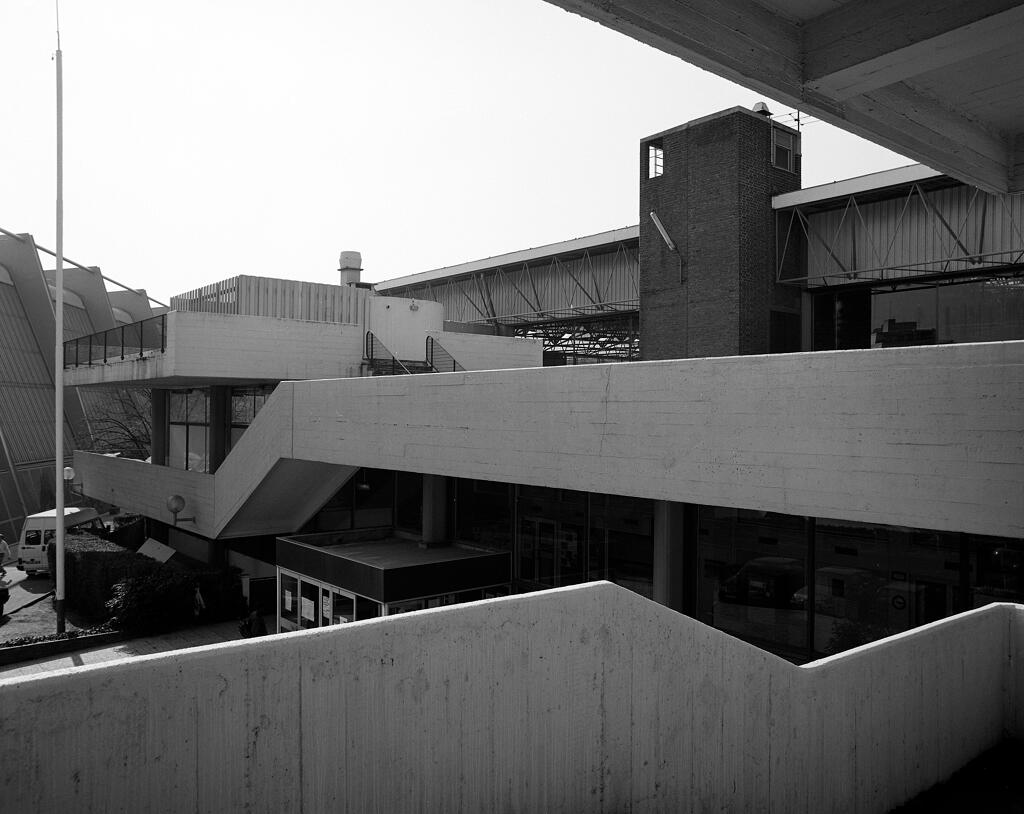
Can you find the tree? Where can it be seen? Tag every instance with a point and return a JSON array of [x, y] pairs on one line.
[[118, 421]]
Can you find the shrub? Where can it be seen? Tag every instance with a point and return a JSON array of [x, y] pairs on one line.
[[153, 602], [102, 578], [163, 598]]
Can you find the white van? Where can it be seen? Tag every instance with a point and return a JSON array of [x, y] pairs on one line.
[[40, 529]]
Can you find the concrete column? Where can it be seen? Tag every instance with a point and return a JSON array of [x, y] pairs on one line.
[[158, 427], [668, 553], [435, 510]]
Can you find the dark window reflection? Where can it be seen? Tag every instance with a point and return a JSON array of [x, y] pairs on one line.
[[565, 537], [752, 567], [872, 581], [483, 513], [1000, 569], [409, 501]]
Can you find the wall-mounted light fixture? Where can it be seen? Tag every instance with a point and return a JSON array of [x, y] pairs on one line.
[[175, 505]]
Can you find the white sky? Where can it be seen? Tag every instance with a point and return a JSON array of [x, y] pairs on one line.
[[209, 138]]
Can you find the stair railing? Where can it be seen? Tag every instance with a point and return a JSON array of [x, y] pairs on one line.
[[440, 359], [376, 352]]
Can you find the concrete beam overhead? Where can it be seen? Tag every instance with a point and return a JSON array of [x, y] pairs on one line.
[[862, 46], [854, 67]]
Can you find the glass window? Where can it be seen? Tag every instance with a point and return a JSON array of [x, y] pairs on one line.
[[483, 513], [655, 160], [552, 536], [344, 609], [409, 501], [288, 609], [246, 403], [309, 601], [622, 543], [783, 151], [872, 581], [903, 318], [981, 310], [999, 569], [187, 436], [374, 498], [752, 575], [367, 608]]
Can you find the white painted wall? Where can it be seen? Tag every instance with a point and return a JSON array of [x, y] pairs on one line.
[[482, 352], [404, 329], [581, 699]]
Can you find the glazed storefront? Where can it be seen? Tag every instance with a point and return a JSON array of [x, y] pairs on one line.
[[329, 579]]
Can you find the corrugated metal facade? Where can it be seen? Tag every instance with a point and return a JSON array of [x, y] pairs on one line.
[[954, 229], [287, 299], [76, 322], [599, 283]]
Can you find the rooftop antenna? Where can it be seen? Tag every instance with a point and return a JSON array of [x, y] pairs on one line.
[[58, 350]]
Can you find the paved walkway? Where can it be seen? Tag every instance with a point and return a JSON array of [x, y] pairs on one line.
[[40, 618]]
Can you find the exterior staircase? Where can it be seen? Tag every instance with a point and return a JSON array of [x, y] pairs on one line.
[[379, 361]]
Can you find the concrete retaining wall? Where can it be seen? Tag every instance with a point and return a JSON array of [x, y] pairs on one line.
[[581, 699]]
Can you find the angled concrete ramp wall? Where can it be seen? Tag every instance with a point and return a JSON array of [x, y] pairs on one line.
[[581, 699]]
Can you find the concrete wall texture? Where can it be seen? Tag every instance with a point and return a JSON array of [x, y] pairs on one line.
[[481, 352], [582, 699], [927, 437], [227, 347]]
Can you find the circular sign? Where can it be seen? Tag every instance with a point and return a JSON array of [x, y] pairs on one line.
[[899, 602]]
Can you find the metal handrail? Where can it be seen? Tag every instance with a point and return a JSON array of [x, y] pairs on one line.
[[375, 351], [118, 344], [440, 359]]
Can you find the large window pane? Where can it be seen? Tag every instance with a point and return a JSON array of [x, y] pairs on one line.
[[903, 318], [177, 445], [999, 569], [753, 575], [198, 459], [551, 533], [622, 542], [483, 513], [981, 310], [872, 581], [288, 606], [309, 604], [409, 501]]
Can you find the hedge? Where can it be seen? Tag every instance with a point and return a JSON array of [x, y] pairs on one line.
[[141, 595]]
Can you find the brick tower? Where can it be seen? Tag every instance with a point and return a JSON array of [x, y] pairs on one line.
[[707, 286]]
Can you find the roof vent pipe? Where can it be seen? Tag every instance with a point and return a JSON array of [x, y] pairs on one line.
[[350, 265]]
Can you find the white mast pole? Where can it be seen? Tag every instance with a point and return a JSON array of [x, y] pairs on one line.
[[58, 369]]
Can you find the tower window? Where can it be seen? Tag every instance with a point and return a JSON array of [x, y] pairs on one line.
[[783, 149], [655, 160]]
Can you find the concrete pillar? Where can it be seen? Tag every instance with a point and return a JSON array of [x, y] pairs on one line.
[[668, 553], [435, 510], [158, 427]]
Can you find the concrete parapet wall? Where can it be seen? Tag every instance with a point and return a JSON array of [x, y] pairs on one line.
[[925, 437], [581, 699], [479, 352], [143, 488], [228, 347]]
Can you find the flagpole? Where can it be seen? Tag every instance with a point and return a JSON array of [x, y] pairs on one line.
[[58, 370]]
